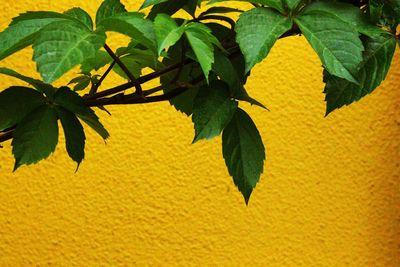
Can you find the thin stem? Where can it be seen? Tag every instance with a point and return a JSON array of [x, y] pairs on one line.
[[231, 22], [140, 80], [124, 68], [94, 89]]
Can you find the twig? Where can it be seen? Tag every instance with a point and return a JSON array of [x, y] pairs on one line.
[[131, 77], [96, 86]]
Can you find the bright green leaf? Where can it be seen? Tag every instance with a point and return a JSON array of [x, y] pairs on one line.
[[244, 152], [257, 31], [63, 45], [346, 13], [338, 45], [23, 30], [378, 56], [167, 32], [213, 109], [35, 137], [202, 42]]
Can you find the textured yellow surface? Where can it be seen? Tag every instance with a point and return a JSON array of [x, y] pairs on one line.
[[330, 194]]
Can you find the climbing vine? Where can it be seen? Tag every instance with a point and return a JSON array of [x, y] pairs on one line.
[[202, 61]]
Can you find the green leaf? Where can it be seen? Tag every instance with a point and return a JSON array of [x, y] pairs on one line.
[[257, 31], [346, 13], [109, 8], [131, 63], [81, 82], [292, 4], [213, 109], [338, 45], [72, 102], [81, 15], [183, 102], [133, 25], [202, 42], [35, 137], [63, 45], [168, 7], [23, 30], [45, 88], [220, 10], [244, 152], [378, 56], [148, 3], [233, 75], [167, 32], [16, 103], [74, 135], [100, 59], [375, 10], [276, 4]]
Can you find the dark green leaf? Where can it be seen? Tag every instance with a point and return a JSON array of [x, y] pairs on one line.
[[213, 109], [72, 102], [220, 10], [133, 66], [35, 137], [16, 103], [244, 152], [74, 134], [168, 7], [148, 3], [45, 88], [291, 4], [183, 102]]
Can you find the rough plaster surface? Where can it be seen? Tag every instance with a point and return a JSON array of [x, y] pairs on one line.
[[330, 194]]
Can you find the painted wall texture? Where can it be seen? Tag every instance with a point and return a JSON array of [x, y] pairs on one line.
[[330, 194]]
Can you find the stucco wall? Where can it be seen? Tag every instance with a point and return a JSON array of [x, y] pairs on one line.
[[330, 195]]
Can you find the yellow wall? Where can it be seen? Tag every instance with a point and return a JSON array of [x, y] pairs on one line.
[[330, 195]]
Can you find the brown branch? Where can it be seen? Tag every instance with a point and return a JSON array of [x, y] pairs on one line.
[[4, 136], [140, 80], [131, 77], [96, 86]]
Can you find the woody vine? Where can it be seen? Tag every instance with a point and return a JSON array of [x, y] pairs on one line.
[[202, 65]]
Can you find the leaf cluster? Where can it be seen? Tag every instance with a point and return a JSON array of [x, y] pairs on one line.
[[202, 63]]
